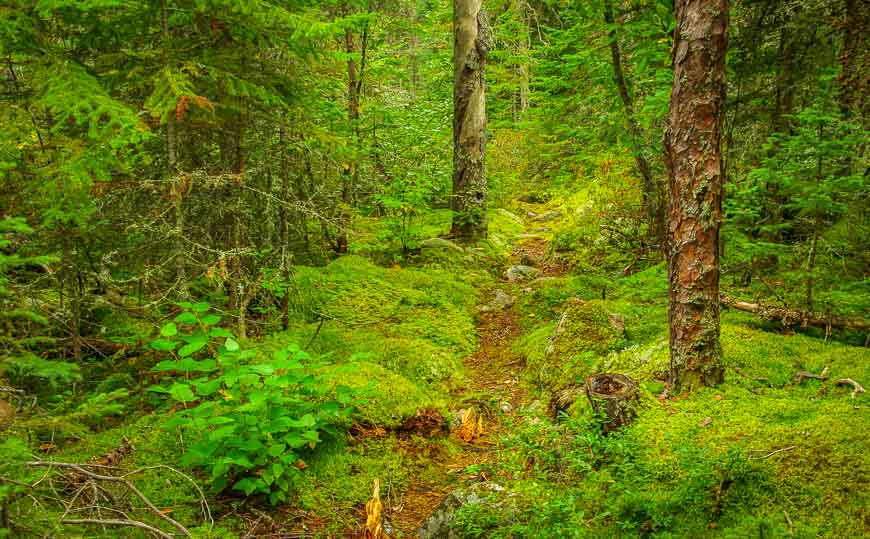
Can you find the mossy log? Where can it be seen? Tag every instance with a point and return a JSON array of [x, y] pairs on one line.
[[614, 396]]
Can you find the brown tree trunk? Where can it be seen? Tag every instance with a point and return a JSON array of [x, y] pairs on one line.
[[284, 226], [855, 59], [694, 159], [651, 196], [470, 48]]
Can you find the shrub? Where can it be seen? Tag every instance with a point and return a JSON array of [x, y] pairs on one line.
[[250, 423]]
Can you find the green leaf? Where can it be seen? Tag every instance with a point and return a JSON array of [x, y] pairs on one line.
[[186, 318], [219, 332], [164, 345], [191, 348], [211, 319], [201, 307], [231, 345], [181, 393], [169, 330], [246, 485]]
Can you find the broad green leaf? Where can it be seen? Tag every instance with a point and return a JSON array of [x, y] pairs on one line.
[[186, 318], [231, 344], [181, 393], [169, 330]]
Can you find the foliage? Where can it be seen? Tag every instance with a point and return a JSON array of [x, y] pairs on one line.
[[252, 422]]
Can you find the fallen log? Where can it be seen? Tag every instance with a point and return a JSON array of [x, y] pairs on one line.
[[792, 317]]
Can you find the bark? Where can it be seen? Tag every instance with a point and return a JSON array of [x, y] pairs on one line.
[[471, 44], [522, 103], [284, 226], [855, 59], [694, 160], [614, 396], [651, 193], [177, 182]]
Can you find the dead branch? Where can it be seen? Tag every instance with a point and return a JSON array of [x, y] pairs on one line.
[[79, 468], [806, 375], [792, 317], [771, 453], [849, 382], [739, 371], [118, 522]]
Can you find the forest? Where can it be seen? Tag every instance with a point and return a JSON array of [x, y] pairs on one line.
[[434, 268]]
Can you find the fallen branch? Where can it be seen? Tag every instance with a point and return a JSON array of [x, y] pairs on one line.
[[849, 382], [118, 522], [79, 468], [772, 453], [792, 317], [806, 375]]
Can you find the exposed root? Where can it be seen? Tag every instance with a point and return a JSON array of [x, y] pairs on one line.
[[806, 375]]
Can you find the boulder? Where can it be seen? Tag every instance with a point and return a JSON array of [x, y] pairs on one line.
[[440, 244], [548, 216], [511, 216], [502, 300], [521, 272], [437, 526]]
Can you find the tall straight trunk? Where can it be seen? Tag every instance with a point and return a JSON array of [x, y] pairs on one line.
[[413, 45], [284, 226], [855, 60], [694, 159], [178, 185], [525, 77], [651, 192], [470, 48], [349, 175]]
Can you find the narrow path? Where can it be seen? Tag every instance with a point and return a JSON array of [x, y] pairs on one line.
[[492, 390]]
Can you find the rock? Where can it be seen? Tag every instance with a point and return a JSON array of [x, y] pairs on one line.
[[511, 216], [437, 526], [530, 237], [440, 244], [542, 229], [521, 273], [549, 216], [501, 301], [506, 407]]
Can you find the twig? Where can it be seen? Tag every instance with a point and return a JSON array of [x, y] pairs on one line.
[[118, 522], [739, 371], [772, 453], [203, 502], [130, 486], [849, 382]]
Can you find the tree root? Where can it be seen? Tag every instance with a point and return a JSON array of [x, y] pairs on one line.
[[856, 387]]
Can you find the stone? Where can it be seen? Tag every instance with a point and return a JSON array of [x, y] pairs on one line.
[[437, 526], [501, 301], [548, 216], [440, 244], [506, 407], [510, 216], [521, 272]]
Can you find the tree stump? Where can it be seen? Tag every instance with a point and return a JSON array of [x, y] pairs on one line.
[[614, 396]]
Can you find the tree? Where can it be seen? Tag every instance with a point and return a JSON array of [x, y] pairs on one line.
[[470, 49], [694, 159], [650, 199]]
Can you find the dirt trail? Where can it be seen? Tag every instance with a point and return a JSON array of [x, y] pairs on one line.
[[492, 389]]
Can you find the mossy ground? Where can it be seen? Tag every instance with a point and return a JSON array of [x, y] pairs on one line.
[[758, 456]]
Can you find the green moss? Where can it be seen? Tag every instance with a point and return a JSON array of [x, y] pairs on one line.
[[388, 398]]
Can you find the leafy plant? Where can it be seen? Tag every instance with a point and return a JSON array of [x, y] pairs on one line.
[[250, 422]]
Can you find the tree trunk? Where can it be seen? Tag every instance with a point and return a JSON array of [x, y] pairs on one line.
[[651, 197], [284, 226], [855, 60], [177, 183], [694, 160], [470, 48]]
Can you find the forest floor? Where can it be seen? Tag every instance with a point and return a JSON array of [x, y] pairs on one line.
[[489, 399]]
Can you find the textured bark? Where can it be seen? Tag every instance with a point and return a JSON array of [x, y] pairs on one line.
[[651, 192], [855, 59], [522, 103], [614, 396], [470, 48], [177, 182], [694, 159]]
